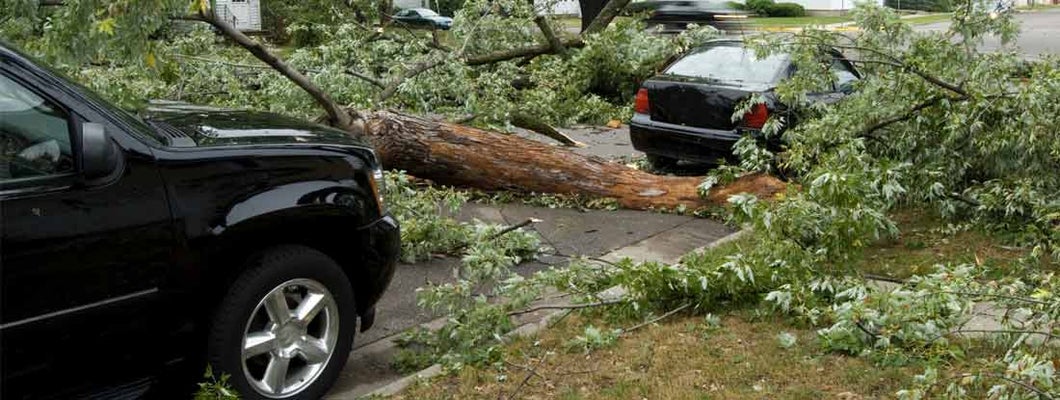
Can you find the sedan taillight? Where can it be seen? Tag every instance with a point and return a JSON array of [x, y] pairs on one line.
[[757, 117], [640, 103]]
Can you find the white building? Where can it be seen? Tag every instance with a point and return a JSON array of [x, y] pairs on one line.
[[245, 15], [558, 7]]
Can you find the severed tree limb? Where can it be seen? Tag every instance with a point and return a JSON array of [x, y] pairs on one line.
[[418, 68], [523, 52], [602, 20], [931, 101], [375, 82], [225, 63], [550, 35], [436, 41], [338, 116], [656, 319], [527, 122], [565, 307]]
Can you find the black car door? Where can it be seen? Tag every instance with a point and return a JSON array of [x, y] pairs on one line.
[[81, 262]]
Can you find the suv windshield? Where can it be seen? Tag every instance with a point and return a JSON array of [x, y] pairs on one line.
[[728, 63], [139, 128]]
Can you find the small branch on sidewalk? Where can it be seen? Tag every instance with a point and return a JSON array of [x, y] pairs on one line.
[[527, 222], [656, 319]]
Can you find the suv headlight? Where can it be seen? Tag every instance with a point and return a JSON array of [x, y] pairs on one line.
[[377, 181]]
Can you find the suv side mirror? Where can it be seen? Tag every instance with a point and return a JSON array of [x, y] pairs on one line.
[[99, 155]]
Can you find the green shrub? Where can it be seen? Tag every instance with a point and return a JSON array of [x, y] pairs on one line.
[[306, 35], [922, 5], [786, 10], [760, 7]]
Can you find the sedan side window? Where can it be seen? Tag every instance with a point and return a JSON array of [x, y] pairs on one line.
[[844, 76], [34, 135]]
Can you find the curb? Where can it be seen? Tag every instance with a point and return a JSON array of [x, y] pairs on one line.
[[531, 328]]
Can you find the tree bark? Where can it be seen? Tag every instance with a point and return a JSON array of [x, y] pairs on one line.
[[458, 155]]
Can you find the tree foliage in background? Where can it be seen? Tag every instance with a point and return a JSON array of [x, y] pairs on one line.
[[356, 64]]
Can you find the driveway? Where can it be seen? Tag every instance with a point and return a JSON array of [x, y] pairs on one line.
[[1040, 33]]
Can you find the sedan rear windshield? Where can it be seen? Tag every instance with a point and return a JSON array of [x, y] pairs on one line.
[[728, 64]]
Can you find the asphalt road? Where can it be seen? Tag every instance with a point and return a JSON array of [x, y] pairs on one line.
[[1040, 33]]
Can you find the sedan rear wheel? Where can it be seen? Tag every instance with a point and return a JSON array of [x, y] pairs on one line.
[[285, 328], [661, 163]]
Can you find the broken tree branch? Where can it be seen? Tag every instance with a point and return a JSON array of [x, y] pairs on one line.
[[418, 68], [931, 101], [338, 116], [510, 54], [550, 35], [656, 319], [565, 307], [222, 62], [375, 82], [602, 20], [533, 124]]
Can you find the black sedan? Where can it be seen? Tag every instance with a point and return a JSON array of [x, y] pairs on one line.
[[685, 112], [423, 18]]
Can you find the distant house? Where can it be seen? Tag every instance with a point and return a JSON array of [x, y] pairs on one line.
[[245, 15], [403, 4]]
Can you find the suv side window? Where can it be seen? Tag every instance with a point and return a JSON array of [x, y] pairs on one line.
[[34, 135]]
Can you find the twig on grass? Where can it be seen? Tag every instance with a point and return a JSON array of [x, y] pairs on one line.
[[533, 370], [565, 307], [656, 319]]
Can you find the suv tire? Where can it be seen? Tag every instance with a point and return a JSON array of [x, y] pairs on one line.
[[285, 328]]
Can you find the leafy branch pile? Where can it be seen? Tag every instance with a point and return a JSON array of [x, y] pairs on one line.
[[935, 124]]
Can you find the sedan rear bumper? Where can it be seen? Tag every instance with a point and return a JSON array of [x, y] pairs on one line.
[[682, 142]]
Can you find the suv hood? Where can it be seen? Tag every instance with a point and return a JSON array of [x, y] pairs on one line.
[[193, 126]]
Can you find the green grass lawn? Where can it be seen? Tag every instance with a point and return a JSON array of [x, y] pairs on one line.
[[678, 358], [928, 19], [924, 242]]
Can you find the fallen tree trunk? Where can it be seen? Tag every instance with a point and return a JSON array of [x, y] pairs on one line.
[[463, 156]]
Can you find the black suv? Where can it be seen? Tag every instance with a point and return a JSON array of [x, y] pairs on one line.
[[133, 249]]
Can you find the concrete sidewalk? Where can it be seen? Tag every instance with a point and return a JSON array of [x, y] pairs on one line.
[[639, 235]]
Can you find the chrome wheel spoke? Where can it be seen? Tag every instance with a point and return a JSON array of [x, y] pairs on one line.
[[276, 374], [309, 307], [308, 330], [276, 307], [258, 343], [314, 350]]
